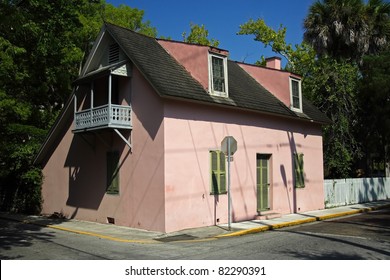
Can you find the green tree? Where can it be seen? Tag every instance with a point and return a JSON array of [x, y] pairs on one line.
[[300, 58], [348, 29], [374, 99], [35, 77], [199, 35], [276, 39], [358, 32], [42, 45], [333, 88], [131, 18]]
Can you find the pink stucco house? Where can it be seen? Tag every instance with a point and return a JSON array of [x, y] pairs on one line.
[[139, 142]]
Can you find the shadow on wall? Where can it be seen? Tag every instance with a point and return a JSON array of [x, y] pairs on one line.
[[86, 176], [373, 189], [293, 148], [86, 163]]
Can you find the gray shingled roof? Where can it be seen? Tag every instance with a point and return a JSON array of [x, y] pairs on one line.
[[170, 79]]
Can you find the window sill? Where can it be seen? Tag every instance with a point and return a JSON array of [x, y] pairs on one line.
[[218, 193], [296, 110], [218, 94]]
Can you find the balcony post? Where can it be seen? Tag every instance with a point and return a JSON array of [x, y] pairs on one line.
[[75, 107], [92, 102], [75, 103], [109, 97]]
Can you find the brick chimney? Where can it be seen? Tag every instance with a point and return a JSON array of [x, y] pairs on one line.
[[274, 62]]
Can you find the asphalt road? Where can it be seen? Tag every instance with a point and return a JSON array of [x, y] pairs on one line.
[[363, 236]]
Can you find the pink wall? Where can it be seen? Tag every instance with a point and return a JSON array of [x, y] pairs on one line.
[[190, 133], [275, 81], [193, 57], [75, 175]]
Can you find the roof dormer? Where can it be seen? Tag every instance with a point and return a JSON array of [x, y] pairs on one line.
[[218, 77], [206, 64], [282, 84], [295, 94], [105, 52]]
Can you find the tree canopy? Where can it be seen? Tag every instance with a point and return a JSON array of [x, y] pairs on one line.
[[199, 35], [348, 29]]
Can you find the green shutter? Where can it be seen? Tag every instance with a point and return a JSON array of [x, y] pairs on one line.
[[218, 172], [214, 172], [262, 179], [112, 173], [222, 173], [299, 172]]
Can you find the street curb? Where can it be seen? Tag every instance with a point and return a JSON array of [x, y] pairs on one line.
[[303, 221], [267, 227], [139, 241], [107, 237], [204, 239]]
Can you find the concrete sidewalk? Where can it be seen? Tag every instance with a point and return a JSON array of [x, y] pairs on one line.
[[131, 235]]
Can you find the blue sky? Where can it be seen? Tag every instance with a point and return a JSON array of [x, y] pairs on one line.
[[223, 18]]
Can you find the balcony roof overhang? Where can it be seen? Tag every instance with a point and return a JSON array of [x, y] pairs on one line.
[[101, 72]]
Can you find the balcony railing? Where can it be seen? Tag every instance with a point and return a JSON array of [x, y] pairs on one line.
[[115, 116]]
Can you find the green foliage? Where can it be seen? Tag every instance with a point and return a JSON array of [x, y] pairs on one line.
[[299, 58], [199, 35], [348, 29], [333, 86], [266, 35], [374, 102], [131, 18]]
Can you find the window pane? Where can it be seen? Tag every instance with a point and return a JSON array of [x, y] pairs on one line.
[[218, 74], [295, 94], [296, 102]]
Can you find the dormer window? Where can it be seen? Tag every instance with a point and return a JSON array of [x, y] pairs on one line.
[[218, 75], [296, 94]]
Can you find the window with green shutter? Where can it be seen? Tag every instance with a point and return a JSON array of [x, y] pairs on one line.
[[112, 172], [299, 172], [218, 172]]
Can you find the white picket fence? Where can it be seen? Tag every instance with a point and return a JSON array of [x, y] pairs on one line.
[[342, 192]]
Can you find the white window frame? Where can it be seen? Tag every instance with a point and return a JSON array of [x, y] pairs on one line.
[[211, 82], [292, 79]]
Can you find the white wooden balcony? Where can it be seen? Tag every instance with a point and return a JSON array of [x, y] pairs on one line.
[[106, 116]]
